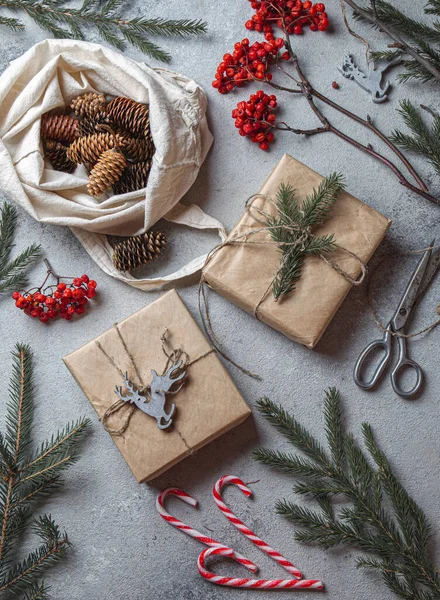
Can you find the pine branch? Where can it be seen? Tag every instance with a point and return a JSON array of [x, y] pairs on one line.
[[12, 272], [414, 38], [290, 229], [380, 518], [63, 21], [26, 477], [423, 140]]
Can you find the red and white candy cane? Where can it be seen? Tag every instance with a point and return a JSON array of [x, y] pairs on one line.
[[193, 532], [232, 480], [260, 584]]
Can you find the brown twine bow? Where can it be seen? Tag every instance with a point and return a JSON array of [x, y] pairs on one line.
[[173, 355], [300, 236], [373, 313]]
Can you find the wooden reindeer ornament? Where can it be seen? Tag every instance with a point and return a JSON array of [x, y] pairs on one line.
[[152, 401]]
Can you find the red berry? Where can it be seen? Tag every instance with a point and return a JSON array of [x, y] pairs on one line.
[[77, 282], [92, 284], [335, 85], [16, 295], [44, 317], [85, 278], [61, 286], [297, 30]]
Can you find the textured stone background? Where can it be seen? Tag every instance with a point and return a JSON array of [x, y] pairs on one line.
[[122, 550]]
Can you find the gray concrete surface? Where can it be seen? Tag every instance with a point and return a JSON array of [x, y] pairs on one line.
[[122, 549]]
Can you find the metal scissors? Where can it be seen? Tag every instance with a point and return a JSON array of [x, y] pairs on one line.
[[417, 285]]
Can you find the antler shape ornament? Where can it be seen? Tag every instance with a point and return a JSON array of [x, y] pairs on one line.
[[152, 399]]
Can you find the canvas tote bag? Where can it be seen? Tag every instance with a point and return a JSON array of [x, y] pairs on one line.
[[46, 78]]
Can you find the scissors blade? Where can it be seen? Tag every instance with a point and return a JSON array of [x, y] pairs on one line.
[[411, 292], [433, 267]]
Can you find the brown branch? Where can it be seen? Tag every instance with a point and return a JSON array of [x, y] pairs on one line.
[[50, 449], [394, 35], [20, 409], [309, 92], [55, 549]]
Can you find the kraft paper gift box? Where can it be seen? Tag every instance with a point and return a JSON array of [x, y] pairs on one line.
[[242, 273], [207, 405]]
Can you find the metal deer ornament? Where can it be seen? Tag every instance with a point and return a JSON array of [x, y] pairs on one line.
[[160, 386], [373, 81]]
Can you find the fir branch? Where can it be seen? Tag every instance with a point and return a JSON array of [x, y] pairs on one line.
[[12, 272], [414, 38], [290, 229], [423, 140], [380, 518], [26, 477], [63, 21]]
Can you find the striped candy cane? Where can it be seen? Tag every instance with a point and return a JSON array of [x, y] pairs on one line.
[[260, 584], [193, 532], [232, 480]]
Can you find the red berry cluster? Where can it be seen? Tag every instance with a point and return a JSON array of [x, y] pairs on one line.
[[255, 118], [246, 63], [289, 15], [65, 302]]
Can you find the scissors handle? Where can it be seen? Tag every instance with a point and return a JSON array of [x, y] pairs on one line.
[[381, 344], [402, 363]]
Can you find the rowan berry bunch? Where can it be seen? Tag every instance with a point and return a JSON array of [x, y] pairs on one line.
[[246, 63], [64, 300], [289, 15], [255, 118]]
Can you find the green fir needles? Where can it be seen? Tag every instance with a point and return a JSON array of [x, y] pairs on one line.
[[291, 229], [26, 476], [12, 271], [380, 518], [105, 16], [419, 41], [422, 139]]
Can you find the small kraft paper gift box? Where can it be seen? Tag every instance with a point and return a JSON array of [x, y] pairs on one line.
[[155, 360], [242, 272]]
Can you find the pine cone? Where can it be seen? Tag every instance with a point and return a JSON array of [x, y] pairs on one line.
[[61, 128], [90, 125], [57, 154], [89, 149], [106, 172], [139, 149], [131, 115], [130, 253], [88, 105], [134, 177]]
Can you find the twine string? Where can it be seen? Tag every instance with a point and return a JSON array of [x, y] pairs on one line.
[[299, 236], [173, 356]]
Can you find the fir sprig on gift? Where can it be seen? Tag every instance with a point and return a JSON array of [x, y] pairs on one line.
[[12, 271], [26, 476], [291, 229], [381, 519], [423, 139], [418, 40], [63, 21]]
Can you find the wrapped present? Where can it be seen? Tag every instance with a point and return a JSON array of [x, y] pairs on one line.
[[157, 386], [243, 268]]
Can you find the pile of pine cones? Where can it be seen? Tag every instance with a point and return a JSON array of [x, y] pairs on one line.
[[112, 140]]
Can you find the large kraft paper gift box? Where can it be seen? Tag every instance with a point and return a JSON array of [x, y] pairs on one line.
[[207, 405], [242, 273]]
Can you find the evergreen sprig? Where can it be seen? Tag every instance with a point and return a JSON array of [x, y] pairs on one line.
[[26, 477], [423, 139], [421, 39], [64, 21], [12, 271], [290, 229], [380, 517]]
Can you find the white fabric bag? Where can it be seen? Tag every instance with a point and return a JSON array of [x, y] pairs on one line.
[[46, 78]]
